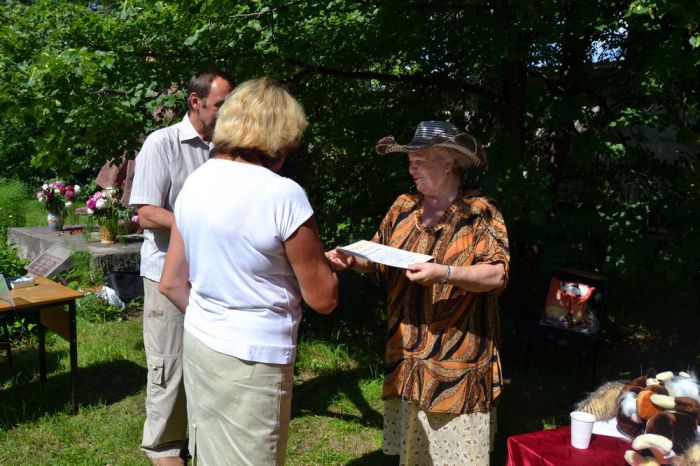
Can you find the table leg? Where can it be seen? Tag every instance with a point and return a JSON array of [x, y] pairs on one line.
[[42, 352], [73, 357]]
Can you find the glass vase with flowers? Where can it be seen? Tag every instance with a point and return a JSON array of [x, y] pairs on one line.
[[57, 197]]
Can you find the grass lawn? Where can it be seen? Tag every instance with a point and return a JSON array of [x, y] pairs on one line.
[[337, 407], [337, 410], [36, 214]]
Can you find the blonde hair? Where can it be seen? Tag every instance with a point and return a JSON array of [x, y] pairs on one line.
[[450, 154], [259, 116], [459, 167]]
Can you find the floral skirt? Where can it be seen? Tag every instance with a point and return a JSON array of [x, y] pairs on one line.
[[424, 438]]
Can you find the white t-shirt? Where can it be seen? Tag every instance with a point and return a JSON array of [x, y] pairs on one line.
[[245, 299], [166, 159]]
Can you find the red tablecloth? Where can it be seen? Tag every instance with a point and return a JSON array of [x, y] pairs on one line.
[[553, 448]]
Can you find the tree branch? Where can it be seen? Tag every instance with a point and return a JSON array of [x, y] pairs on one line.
[[434, 80]]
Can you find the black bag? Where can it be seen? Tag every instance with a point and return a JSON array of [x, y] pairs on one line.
[[127, 284]]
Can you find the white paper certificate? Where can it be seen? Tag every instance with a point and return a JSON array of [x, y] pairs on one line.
[[387, 255]]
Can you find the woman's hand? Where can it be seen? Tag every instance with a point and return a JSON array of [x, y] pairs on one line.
[[318, 283], [426, 273], [340, 260], [478, 278]]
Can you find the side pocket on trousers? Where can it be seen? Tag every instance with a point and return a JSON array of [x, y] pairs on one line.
[[156, 370]]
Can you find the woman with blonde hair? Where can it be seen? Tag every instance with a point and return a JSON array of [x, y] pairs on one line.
[[243, 253]]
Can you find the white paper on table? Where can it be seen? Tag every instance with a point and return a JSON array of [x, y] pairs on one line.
[[387, 255], [609, 428]]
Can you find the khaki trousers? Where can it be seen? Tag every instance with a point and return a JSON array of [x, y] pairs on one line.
[[239, 410], [165, 429]]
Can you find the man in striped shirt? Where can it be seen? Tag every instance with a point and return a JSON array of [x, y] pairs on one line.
[[167, 157]]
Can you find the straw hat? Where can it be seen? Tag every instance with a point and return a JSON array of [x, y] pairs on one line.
[[438, 134]]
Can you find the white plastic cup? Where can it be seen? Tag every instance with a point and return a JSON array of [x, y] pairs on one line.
[[581, 429]]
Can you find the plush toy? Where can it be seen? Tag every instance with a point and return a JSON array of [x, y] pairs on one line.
[[660, 412]]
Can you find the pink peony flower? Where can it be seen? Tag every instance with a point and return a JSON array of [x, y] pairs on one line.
[[91, 203], [62, 190], [69, 194], [97, 195], [58, 184], [135, 219], [69, 187]]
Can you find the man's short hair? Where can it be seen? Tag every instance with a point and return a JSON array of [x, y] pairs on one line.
[[200, 83]]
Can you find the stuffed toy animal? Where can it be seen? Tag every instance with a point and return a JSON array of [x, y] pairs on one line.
[[660, 412]]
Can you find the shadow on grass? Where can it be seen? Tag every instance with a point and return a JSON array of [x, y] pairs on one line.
[[315, 396], [27, 399], [375, 458]]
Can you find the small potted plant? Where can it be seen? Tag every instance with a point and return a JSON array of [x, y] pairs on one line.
[[105, 207], [57, 197]]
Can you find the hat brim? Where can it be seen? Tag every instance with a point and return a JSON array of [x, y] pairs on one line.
[[476, 157]]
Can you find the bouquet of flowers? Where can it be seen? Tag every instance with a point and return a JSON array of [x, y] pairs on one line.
[[57, 196], [106, 208]]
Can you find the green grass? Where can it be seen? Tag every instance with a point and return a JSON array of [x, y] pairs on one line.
[[36, 426], [336, 416], [12, 198], [336, 409], [36, 214]]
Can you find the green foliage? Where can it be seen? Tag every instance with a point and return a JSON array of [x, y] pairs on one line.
[[589, 109], [93, 308], [10, 262], [12, 196], [81, 274]]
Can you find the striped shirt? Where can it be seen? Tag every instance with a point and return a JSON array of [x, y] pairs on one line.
[[167, 158], [442, 346]]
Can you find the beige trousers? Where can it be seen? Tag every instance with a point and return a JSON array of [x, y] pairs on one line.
[[239, 410], [165, 429], [424, 438]]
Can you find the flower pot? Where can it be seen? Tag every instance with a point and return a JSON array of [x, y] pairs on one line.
[[107, 235], [55, 221]]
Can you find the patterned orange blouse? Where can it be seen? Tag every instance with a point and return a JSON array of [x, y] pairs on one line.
[[442, 343]]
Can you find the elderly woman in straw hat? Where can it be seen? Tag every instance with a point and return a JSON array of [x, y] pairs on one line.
[[442, 366], [243, 253]]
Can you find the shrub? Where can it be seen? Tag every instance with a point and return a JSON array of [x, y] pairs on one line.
[[10, 262], [12, 197], [81, 276], [94, 309], [11, 265]]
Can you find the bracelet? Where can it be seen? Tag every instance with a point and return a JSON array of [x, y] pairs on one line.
[[447, 276]]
